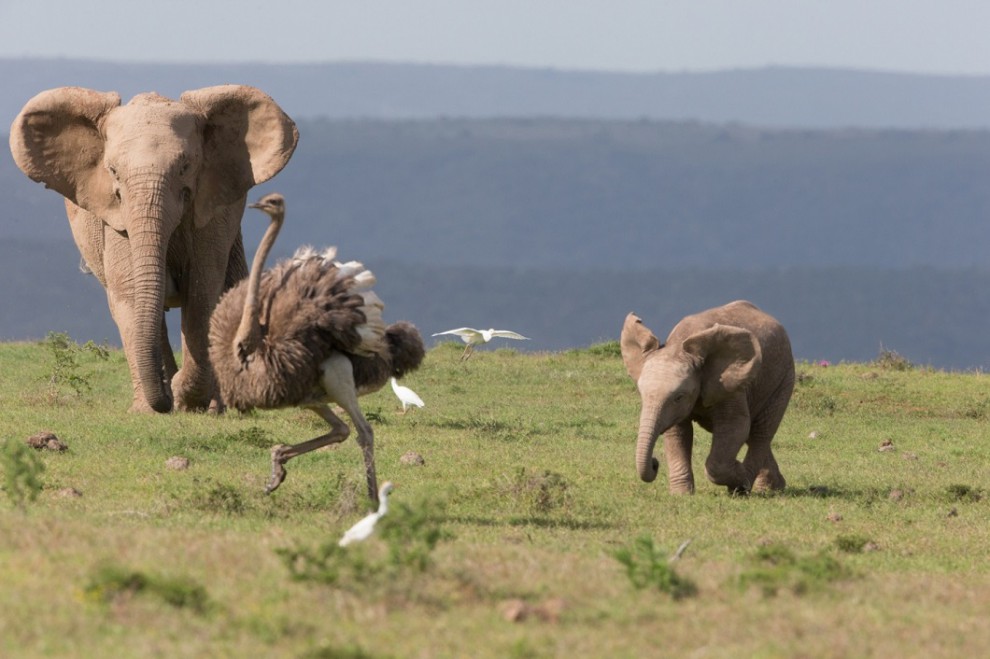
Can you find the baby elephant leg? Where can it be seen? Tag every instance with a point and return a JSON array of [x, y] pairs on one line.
[[731, 427], [760, 464]]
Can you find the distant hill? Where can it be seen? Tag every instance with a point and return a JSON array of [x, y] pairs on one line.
[[931, 317], [557, 228], [788, 97], [583, 194]]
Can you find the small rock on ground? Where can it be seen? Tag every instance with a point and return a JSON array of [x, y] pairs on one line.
[[46, 440], [412, 458], [177, 462]]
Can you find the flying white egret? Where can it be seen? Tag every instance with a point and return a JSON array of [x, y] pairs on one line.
[[363, 529], [407, 396], [473, 337]]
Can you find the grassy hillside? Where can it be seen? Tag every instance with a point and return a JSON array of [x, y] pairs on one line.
[[528, 473]]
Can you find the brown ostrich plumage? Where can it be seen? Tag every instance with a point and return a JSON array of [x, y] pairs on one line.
[[306, 333]]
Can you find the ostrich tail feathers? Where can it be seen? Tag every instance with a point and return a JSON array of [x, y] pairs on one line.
[[405, 345]]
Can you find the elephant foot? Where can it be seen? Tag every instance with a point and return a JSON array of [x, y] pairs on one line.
[[191, 394], [141, 406], [187, 403], [681, 487], [766, 481], [278, 469], [732, 476]]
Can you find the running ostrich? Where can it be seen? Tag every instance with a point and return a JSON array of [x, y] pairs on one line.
[[307, 333]]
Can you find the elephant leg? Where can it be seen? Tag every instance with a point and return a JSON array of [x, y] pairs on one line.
[[216, 262], [677, 444], [760, 464], [193, 386], [730, 430]]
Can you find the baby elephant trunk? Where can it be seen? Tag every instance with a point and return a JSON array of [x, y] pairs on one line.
[[646, 464]]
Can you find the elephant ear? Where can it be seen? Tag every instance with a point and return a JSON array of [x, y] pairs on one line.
[[730, 358], [247, 139], [56, 140], [636, 343]]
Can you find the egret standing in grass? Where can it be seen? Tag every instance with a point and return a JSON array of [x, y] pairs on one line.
[[473, 337], [407, 396], [363, 529]]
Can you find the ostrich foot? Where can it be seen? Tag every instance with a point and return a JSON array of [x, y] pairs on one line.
[[278, 469]]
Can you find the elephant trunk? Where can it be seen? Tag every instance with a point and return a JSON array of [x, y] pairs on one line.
[[148, 239], [646, 464]]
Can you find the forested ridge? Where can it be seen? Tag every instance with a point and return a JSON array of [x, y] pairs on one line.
[[558, 227]]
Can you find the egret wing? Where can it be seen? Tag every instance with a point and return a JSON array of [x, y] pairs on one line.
[[359, 531], [412, 397], [460, 331], [508, 334]]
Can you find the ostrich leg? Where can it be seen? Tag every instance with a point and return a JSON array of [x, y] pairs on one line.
[[285, 452]]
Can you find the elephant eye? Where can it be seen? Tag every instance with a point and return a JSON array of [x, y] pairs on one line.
[[112, 170], [183, 168]]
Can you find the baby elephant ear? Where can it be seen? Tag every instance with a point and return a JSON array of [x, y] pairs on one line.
[[731, 359], [636, 342]]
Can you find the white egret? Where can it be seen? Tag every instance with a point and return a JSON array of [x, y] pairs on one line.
[[363, 529], [407, 396], [473, 337]]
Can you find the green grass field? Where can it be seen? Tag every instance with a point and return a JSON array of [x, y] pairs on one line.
[[529, 475]]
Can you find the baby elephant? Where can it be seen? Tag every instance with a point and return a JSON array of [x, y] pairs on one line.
[[731, 370]]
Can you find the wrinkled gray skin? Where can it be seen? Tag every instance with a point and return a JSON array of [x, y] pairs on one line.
[[154, 192], [730, 369]]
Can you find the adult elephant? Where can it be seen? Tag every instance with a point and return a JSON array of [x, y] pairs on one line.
[[154, 191], [730, 369]]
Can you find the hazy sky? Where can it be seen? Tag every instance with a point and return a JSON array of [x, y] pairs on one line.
[[930, 36]]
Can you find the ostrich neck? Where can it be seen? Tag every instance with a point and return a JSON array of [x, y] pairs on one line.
[[249, 331]]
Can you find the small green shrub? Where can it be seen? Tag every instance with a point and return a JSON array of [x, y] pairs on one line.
[[958, 492], [539, 491], [219, 498], [330, 652], [778, 568], [648, 567], [603, 349], [108, 582], [409, 534], [22, 470], [65, 366], [889, 360], [253, 436], [851, 544]]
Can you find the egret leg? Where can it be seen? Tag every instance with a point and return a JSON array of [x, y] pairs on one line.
[[468, 350], [285, 452]]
